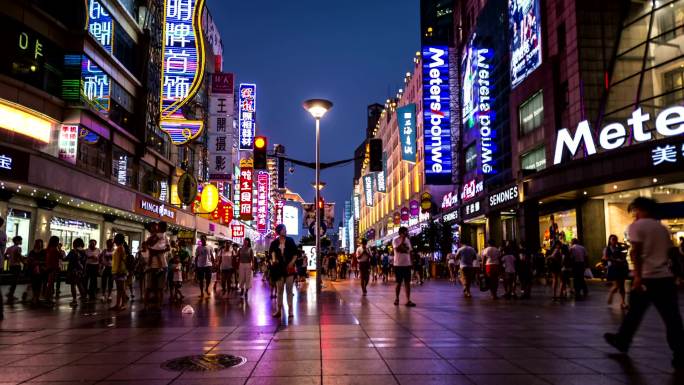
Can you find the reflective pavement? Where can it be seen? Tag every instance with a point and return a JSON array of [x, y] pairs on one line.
[[343, 339]]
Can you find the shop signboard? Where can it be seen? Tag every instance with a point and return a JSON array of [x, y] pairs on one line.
[[368, 189], [96, 85], [404, 214], [406, 116], [222, 83], [450, 216], [436, 115], [507, 196], [357, 206], [246, 189], [187, 188], [183, 59], [414, 208], [425, 202], [14, 164], [237, 231], [187, 236], [450, 200], [524, 32], [220, 128], [68, 142], [382, 175], [477, 105], [247, 108], [667, 154], [472, 189], [669, 122], [396, 218], [280, 205], [472, 209], [291, 219], [153, 209], [262, 201], [100, 24]]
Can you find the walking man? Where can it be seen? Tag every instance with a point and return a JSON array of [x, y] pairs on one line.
[[402, 265], [581, 262], [466, 255], [653, 281]]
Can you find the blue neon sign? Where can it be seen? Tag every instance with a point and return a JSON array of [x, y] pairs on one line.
[[436, 115], [100, 24], [247, 108], [406, 116], [95, 85]]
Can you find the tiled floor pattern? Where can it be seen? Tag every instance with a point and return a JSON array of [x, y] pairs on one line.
[[342, 339]]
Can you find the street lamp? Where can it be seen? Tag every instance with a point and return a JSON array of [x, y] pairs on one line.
[[317, 108]]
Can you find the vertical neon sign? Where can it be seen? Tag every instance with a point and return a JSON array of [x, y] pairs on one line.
[[247, 106], [100, 24], [436, 115], [262, 201], [246, 183]]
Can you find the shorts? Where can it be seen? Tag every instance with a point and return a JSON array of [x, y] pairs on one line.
[[204, 273], [402, 274]]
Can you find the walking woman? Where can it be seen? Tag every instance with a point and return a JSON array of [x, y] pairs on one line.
[[53, 255], [554, 265], [36, 267], [225, 262], [246, 255], [106, 266], [75, 269], [363, 257], [92, 269], [283, 252], [119, 272], [615, 255]]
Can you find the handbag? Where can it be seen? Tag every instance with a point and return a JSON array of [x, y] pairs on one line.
[[484, 283]]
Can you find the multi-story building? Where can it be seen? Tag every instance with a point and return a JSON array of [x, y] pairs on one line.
[[82, 153], [587, 99]]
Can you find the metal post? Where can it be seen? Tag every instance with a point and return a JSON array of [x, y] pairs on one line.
[[319, 260]]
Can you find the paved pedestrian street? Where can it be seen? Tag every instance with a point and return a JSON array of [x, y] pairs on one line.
[[345, 338]]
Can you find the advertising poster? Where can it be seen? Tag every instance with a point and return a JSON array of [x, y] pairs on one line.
[[524, 24]]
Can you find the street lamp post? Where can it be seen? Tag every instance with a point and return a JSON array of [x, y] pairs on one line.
[[317, 108]]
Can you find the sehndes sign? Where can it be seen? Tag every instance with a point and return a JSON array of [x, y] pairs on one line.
[[436, 115], [669, 122]]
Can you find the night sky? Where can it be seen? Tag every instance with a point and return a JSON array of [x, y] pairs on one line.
[[352, 52]]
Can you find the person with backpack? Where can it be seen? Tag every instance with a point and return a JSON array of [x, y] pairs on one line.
[[653, 281]]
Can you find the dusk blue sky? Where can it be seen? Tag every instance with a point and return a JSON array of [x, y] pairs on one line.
[[352, 52]]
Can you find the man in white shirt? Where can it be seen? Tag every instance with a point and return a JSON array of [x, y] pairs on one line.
[[466, 255], [203, 260], [653, 282], [402, 265]]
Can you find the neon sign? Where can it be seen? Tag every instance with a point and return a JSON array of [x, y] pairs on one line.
[[247, 106], [96, 85], [669, 122], [525, 34], [436, 126], [68, 143], [100, 24], [262, 201], [182, 67], [357, 206], [246, 182], [406, 116], [6, 162], [472, 189], [508, 195], [368, 189], [477, 101]]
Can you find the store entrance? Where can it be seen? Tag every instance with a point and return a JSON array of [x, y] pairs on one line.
[[474, 233]]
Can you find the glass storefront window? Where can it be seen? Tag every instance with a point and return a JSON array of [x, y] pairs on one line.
[[534, 160], [19, 224], [566, 222], [67, 230], [531, 113]]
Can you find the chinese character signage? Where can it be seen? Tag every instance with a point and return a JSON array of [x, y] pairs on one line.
[[357, 206], [382, 175], [95, 85], [471, 189], [667, 154], [368, 189], [406, 117], [436, 115], [220, 127], [100, 24], [238, 231], [68, 143], [262, 201], [182, 67], [280, 204], [246, 183], [524, 24], [247, 106]]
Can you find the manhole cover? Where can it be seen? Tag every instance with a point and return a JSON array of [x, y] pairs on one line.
[[204, 363]]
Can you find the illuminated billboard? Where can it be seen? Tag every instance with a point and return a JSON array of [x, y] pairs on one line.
[[524, 24], [291, 219], [100, 24], [436, 115], [247, 108], [182, 67], [406, 116]]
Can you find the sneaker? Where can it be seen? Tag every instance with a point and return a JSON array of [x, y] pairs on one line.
[[410, 304], [613, 340]]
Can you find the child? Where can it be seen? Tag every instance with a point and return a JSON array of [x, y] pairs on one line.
[[177, 279], [509, 275]]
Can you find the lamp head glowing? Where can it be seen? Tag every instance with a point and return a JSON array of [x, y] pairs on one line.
[[317, 107], [259, 142]]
